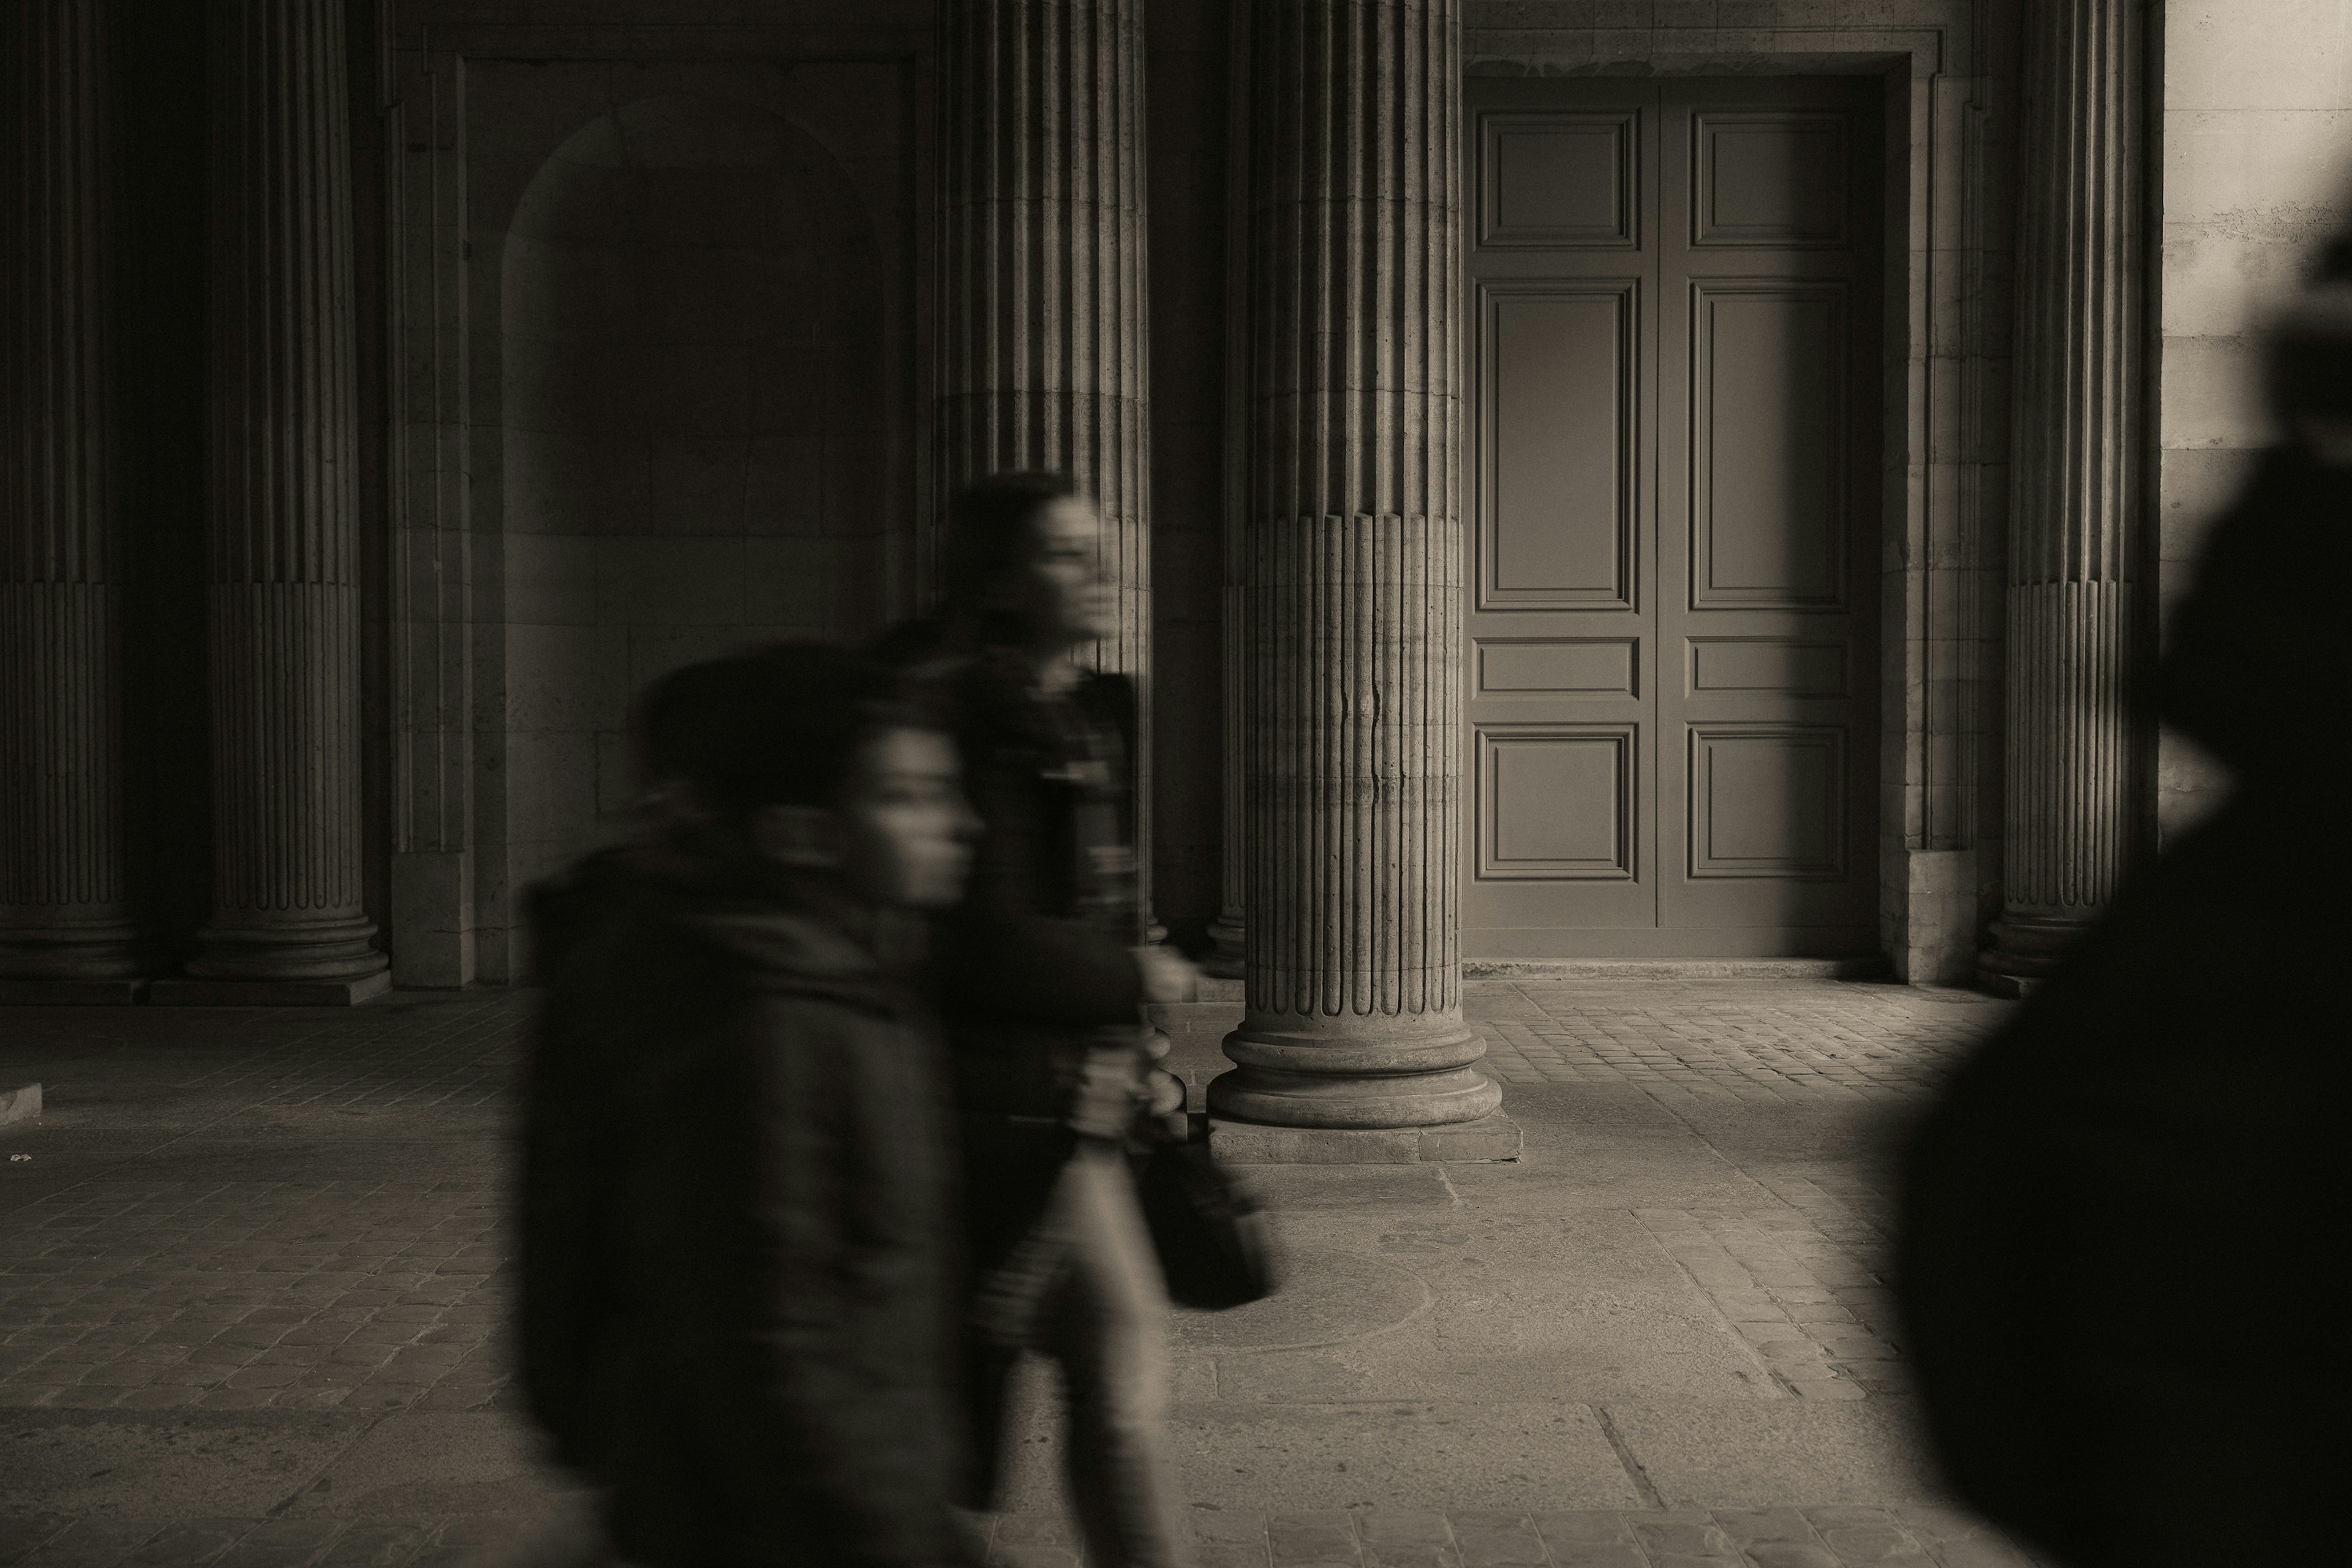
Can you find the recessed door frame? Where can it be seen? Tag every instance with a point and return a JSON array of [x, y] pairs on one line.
[[1944, 448]]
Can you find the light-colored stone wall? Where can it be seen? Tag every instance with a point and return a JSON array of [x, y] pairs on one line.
[[2257, 172]]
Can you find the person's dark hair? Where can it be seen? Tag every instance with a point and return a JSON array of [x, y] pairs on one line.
[[993, 531], [780, 725]]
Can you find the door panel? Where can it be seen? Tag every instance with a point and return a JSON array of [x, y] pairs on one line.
[[1767, 419], [1672, 670], [1561, 529]]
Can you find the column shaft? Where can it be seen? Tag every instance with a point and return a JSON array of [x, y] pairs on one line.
[[283, 520], [2076, 511], [65, 908], [1228, 932], [1353, 613], [1045, 358]]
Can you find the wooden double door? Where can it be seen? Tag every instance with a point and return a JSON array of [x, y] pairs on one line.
[[1674, 428]]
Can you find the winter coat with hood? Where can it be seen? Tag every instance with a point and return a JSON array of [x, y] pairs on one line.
[[738, 1249]]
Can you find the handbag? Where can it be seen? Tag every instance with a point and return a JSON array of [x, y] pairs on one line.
[[1209, 1232]]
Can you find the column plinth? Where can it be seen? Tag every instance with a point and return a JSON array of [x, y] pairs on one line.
[[1044, 360], [2070, 821], [286, 924], [66, 927], [1352, 577]]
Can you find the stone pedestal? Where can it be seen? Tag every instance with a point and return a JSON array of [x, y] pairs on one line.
[[67, 928], [1492, 1139], [1043, 354], [283, 527], [2071, 821], [1352, 593]]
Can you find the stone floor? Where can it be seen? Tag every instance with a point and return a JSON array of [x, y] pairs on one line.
[[252, 1286]]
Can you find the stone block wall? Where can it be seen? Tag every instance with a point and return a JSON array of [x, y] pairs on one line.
[[691, 428], [2257, 173], [662, 402]]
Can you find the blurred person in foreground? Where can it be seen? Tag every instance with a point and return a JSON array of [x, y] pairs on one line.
[[738, 1292], [2117, 1222], [1044, 975]]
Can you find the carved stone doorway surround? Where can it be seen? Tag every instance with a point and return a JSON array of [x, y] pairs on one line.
[[1947, 434]]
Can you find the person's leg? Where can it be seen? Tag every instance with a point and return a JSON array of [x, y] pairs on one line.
[[1108, 1328]]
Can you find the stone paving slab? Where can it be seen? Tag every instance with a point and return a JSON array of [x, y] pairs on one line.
[[1783, 1040], [1784, 1537], [261, 1251]]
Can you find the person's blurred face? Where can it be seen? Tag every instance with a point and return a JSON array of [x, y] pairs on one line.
[[1070, 598], [907, 828]]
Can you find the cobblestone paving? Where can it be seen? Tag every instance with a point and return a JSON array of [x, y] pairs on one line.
[[179, 1268], [157, 1294], [1922, 1536], [1778, 1040], [1592, 1538], [162, 1295], [1805, 1296]]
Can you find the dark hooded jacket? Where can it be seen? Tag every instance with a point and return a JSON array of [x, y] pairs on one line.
[[2115, 1220], [738, 1281]]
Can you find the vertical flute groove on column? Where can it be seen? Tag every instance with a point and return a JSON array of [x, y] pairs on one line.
[[1354, 574], [283, 520], [2079, 491], [65, 901], [1045, 358]]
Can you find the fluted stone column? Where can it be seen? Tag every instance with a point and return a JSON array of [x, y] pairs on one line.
[[1352, 620], [2075, 513], [67, 932], [286, 924], [1228, 934], [1045, 358]]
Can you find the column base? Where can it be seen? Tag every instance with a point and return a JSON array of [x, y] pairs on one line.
[[1493, 1138], [1411, 1070], [326, 955], [73, 992], [189, 993], [2028, 947], [1225, 958], [2016, 987]]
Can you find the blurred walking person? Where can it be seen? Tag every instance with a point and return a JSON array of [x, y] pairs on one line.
[[739, 1300], [1043, 974], [2115, 1221]]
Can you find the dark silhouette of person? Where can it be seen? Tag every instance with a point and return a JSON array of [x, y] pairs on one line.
[[739, 1252], [2118, 1220]]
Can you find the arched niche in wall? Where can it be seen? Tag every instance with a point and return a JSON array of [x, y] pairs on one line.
[[694, 403]]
